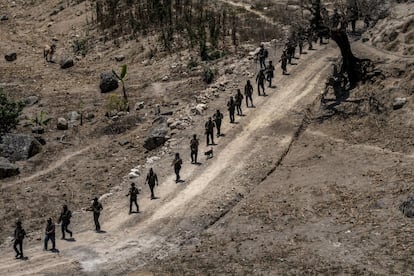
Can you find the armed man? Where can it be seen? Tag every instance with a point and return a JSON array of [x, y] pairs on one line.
[[194, 143], [248, 93], [96, 208], [19, 235], [218, 117], [231, 106], [133, 196], [50, 234], [152, 179], [260, 79], [64, 219], [209, 129]]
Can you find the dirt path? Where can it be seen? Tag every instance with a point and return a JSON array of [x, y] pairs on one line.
[[129, 236]]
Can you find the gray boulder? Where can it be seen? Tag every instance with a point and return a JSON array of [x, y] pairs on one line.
[[139, 105], [407, 207], [12, 56], [108, 82], [398, 103], [7, 169], [17, 147], [4, 17], [157, 134], [31, 100], [66, 63], [62, 124], [74, 116]]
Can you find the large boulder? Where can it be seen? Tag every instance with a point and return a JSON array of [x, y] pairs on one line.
[[157, 134], [12, 56], [31, 100], [66, 63], [17, 147], [108, 82], [407, 207], [7, 169], [398, 103]]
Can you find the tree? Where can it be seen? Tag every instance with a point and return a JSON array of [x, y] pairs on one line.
[[9, 113], [122, 77], [353, 69]]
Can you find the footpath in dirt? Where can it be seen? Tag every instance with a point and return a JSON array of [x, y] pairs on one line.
[[251, 149]]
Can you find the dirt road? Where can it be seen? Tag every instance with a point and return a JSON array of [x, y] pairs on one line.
[[209, 192]]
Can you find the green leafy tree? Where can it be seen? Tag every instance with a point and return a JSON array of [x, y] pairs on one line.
[[9, 113]]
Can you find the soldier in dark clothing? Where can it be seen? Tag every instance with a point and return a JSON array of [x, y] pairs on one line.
[[194, 149], [270, 73], [300, 43], [335, 19], [177, 162], [152, 179], [209, 128], [50, 234], [96, 208], [64, 219], [353, 17], [239, 100], [231, 106], [290, 52], [248, 92], [260, 79], [19, 235], [262, 55], [218, 117], [133, 195], [283, 60]]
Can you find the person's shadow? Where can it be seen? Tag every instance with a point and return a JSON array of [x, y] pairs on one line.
[[102, 231], [55, 250], [180, 181], [70, 240]]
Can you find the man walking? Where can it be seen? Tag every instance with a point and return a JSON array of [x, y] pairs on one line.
[[270, 73], [152, 179], [96, 208], [260, 79], [64, 219], [177, 163], [218, 117], [262, 55], [194, 149], [248, 92], [133, 196], [284, 60], [239, 100], [50, 234], [209, 128], [231, 106], [19, 235]]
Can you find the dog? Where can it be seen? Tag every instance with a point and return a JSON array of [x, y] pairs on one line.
[[209, 153], [48, 52]]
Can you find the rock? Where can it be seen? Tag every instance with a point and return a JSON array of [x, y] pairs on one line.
[[228, 71], [365, 39], [62, 124], [198, 109], [74, 116], [170, 121], [139, 105], [89, 116], [398, 103], [108, 82], [66, 63], [133, 175], [31, 100], [152, 159], [40, 139], [4, 17], [157, 135], [123, 143], [38, 129], [16, 147], [7, 169], [407, 207], [12, 56], [119, 58], [165, 78]]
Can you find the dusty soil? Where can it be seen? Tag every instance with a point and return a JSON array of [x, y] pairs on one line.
[[286, 192]]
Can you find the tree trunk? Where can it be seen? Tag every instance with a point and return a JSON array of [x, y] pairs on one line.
[[350, 63]]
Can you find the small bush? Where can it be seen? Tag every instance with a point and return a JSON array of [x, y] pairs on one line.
[[192, 64], [9, 113], [116, 103], [208, 75], [80, 46]]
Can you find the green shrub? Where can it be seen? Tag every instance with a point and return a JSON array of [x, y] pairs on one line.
[[9, 113], [208, 75]]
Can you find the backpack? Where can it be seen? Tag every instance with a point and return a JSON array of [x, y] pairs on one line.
[[266, 53]]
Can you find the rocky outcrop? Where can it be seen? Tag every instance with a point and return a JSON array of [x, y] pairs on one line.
[[17, 147], [407, 207], [12, 56], [108, 82], [157, 135], [7, 169]]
